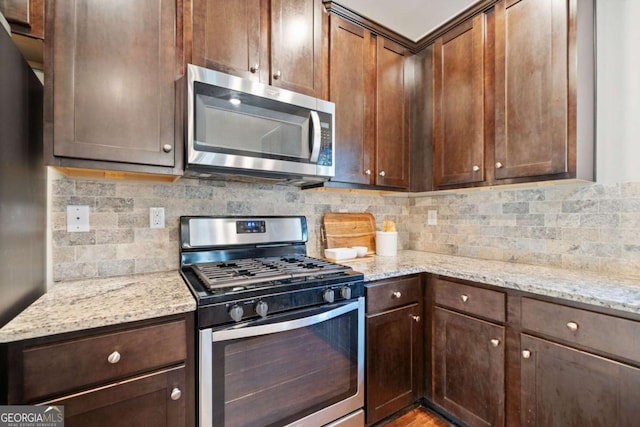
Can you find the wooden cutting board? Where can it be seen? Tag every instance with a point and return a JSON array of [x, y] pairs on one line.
[[344, 230]]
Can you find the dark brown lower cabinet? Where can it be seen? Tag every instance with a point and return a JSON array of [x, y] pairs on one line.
[[153, 400], [394, 346], [468, 373], [562, 386]]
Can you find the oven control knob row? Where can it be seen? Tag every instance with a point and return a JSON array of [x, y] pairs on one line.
[[345, 292], [262, 308], [328, 295], [236, 312]]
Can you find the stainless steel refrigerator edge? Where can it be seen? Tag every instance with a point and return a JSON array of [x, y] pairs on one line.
[[22, 183]]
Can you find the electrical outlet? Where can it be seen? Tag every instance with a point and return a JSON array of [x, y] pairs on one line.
[[156, 217], [77, 218], [432, 217]]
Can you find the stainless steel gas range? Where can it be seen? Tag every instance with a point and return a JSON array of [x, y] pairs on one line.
[[280, 334]]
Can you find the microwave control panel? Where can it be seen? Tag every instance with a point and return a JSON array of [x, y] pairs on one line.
[[326, 140]]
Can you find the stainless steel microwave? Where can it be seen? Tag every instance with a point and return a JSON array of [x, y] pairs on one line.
[[237, 126]]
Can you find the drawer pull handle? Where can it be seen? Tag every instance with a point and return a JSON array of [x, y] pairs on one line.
[[464, 297], [114, 358], [396, 294], [176, 394], [526, 354], [415, 318], [495, 342], [572, 326]]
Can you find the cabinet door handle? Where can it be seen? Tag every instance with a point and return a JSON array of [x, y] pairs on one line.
[[464, 298], [475, 168], [277, 75], [382, 173], [495, 342], [396, 294], [176, 394], [415, 318], [114, 358], [167, 148], [526, 354], [498, 165], [572, 326], [254, 68], [367, 172]]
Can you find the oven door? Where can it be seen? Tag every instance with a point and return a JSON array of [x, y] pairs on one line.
[[304, 368]]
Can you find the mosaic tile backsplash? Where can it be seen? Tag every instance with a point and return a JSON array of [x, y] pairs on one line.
[[593, 227]]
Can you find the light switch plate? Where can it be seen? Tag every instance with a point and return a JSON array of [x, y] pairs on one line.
[[77, 218], [432, 217]]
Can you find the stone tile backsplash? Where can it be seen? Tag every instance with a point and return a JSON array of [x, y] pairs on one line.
[[120, 241], [592, 227]]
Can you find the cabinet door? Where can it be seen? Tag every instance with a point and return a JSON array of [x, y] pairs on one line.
[[562, 387], [469, 368], [394, 356], [142, 401], [296, 45], [25, 16], [532, 110], [458, 135], [392, 116], [231, 36], [352, 89], [114, 66]]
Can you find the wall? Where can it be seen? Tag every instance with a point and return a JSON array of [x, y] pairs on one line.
[[590, 226], [120, 241], [618, 90]]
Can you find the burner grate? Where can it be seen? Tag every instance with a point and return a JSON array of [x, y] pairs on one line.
[[248, 271]]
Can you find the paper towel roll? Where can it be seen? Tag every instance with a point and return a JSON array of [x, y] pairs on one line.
[[386, 243]]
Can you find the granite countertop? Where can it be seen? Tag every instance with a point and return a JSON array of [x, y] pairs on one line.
[[85, 304], [601, 290]]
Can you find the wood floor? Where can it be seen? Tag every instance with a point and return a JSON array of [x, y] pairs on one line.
[[418, 417]]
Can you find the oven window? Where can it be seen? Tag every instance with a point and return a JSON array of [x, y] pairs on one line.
[[276, 379]]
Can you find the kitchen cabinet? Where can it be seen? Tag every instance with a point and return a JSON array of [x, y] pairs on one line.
[[277, 42], [458, 96], [506, 93], [142, 374], [369, 83], [534, 103], [469, 352], [112, 96], [26, 17], [394, 346], [577, 367]]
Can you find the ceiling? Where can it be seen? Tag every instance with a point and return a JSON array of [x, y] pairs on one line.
[[411, 18]]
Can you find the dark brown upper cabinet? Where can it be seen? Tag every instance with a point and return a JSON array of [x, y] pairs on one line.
[[26, 17], [111, 95], [458, 96], [277, 42], [368, 81], [535, 109], [508, 103]]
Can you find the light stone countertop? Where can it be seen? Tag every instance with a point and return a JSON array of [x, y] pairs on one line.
[[85, 304], [601, 290]]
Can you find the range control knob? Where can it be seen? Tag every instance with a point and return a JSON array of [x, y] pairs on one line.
[[236, 312], [328, 295], [345, 292], [262, 308]]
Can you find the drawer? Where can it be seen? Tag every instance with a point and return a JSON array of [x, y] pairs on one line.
[[387, 294], [601, 332], [56, 368], [470, 299]]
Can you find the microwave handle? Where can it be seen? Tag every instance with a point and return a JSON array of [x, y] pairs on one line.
[[316, 137]]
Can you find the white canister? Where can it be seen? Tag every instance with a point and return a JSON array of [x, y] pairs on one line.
[[386, 243]]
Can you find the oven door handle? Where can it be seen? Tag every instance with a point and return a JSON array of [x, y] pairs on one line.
[[254, 328]]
